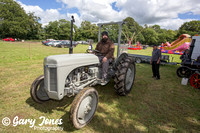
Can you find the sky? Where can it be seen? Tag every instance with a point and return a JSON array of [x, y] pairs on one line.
[[169, 14]]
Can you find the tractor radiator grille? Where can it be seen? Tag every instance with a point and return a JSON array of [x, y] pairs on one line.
[[53, 79], [45, 77]]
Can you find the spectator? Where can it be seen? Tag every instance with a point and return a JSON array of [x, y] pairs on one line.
[[155, 61], [90, 48], [185, 56]]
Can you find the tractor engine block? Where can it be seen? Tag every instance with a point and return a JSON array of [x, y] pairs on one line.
[[79, 78]]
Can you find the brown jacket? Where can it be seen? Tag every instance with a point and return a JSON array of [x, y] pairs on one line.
[[107, 49]]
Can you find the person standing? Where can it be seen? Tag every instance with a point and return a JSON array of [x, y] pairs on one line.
[[90, 48], [155, 62]]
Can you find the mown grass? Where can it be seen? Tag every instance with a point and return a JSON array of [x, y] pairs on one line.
[[152, 106]]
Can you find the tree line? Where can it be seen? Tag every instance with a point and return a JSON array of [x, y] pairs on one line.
[[16, 23]]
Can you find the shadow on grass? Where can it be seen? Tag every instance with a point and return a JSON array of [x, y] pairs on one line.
[[49, 106], [67, 124], [112, 120], [152, 106]]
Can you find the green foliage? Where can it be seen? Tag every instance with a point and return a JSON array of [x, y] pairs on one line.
[[171, 35], [157, 28], [132, 30], [113, 32], [13, 19], [151, 36], [60, 30], [192, 28], [164, 35], [16, 23], [87, 31], [35, 28]]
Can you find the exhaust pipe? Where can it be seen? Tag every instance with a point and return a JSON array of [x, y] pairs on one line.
[[71, 45]]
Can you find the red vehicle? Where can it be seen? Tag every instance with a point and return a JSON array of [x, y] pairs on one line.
[[9, 39]]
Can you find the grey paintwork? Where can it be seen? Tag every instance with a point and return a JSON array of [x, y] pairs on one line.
[[64, 64], [60, 67], [70, 59]]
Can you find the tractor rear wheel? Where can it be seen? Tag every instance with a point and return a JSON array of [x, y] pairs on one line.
[[195, 80], [124, 76], [38, 93], [84, 107]]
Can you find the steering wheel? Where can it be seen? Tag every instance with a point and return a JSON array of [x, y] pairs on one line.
[[96, 51], [92, 51]]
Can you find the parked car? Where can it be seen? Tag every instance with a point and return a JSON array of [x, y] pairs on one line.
[[50, 40], [82, 42], [45, 42], [49, 43], [79, 42], [55, 43], [66, 44], [9, 39]]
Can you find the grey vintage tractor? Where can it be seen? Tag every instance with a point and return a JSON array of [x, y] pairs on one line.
[[76, 74]]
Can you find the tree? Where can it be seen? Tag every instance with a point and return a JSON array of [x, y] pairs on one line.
[[64, 29], [60, 30], [113, 31], [157, 28], [13, 19], [35, 28], [171, 35], [150, 35], [191, 28], [16, 23], [163, 34], [52, 30], [132, 30], [87, 31]]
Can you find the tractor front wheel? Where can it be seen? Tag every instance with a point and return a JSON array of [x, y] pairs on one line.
[[84, 107], [38, 93], [124, 76]]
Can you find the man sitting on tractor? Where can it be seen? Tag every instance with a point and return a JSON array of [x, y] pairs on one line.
[[106, 48]]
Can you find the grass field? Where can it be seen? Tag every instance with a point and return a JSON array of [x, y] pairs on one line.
[[152, 106]]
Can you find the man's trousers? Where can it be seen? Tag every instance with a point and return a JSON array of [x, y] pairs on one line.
[[155, 69], [105, 66]]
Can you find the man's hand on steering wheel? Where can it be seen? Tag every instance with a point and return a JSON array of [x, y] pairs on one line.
[[96, 51], [92, 51]]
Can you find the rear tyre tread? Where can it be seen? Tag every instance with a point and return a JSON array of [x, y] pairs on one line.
[[120, 74]]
